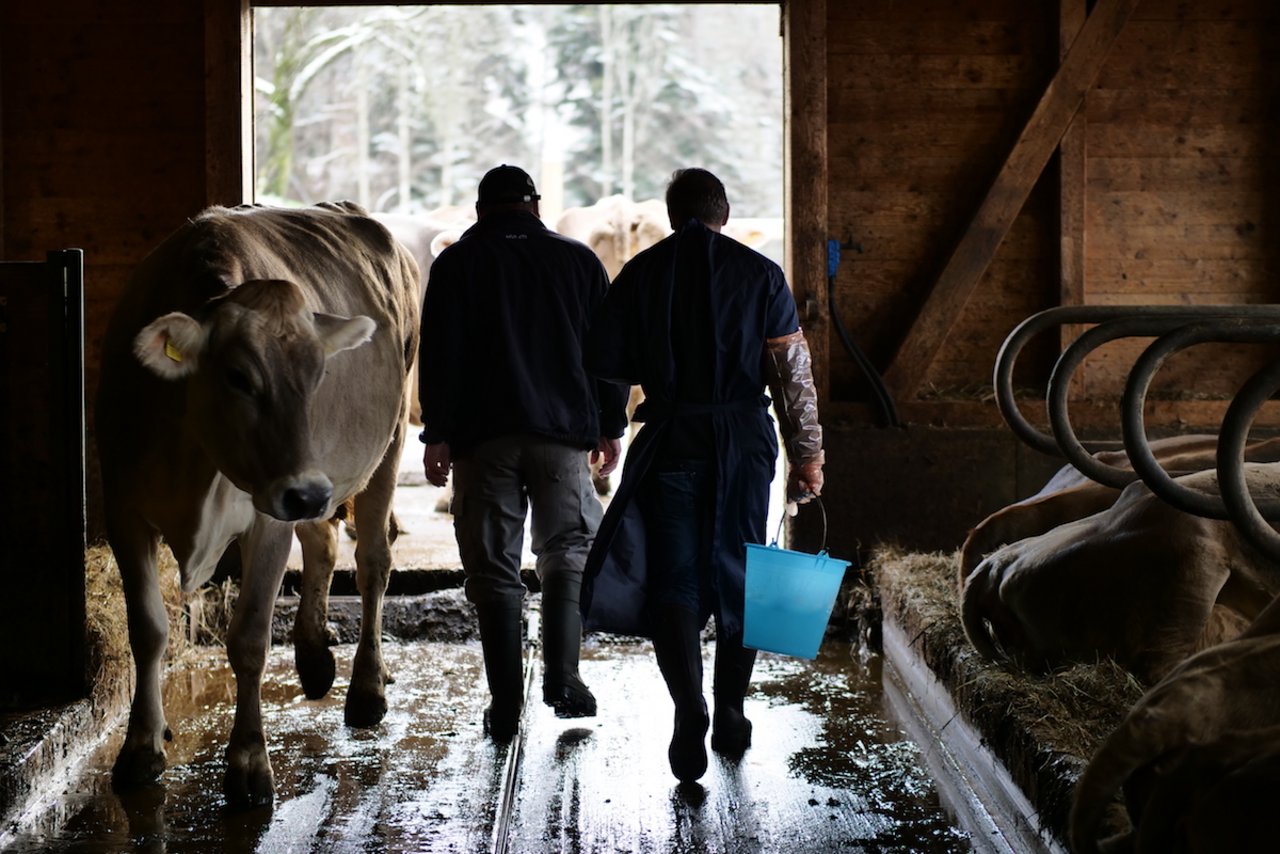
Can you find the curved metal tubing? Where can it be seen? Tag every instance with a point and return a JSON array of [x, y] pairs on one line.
[[1063, 315], [1012, 346], [1134, 326], [1236, 330], [1231, 442]]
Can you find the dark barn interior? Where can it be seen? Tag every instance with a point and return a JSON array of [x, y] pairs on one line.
[[978, 160]]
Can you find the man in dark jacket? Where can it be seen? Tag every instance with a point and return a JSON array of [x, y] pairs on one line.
[[507, 403], [702, 323]]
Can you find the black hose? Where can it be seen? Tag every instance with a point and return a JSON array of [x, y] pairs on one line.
[[888, 410]]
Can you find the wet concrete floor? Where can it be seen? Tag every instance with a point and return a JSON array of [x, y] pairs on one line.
[[829, 770]]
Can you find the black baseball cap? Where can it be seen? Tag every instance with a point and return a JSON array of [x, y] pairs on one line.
[[505, 184]]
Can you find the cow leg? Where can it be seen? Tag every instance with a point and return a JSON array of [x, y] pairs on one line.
[[311, 635], [141, 759], [265, 550], [367, 696]]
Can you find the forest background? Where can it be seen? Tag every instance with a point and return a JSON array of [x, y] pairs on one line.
[[404, 108]]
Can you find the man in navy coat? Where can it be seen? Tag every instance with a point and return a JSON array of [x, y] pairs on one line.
[[702, 324]]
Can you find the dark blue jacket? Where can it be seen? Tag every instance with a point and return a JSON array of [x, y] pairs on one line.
[[503, 323], [630, 341]]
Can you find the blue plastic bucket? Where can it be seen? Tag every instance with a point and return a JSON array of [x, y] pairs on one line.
[[789, 599]]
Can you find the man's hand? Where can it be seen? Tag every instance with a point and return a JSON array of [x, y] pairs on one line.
[[804, 482], [608, 450], [436, 462]]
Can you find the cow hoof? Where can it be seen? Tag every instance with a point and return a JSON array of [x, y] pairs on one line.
[[246, 789], [316, 670], [365, 709], [137, 766]]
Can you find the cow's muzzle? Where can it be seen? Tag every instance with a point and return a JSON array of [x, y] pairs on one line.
[[297, 498]]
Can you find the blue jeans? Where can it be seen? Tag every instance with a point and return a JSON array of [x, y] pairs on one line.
[[678, 513]]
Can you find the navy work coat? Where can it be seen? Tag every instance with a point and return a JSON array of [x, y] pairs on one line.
[[630, 342]]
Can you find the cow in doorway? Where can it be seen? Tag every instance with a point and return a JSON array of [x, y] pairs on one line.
[[616, 228], [253, 378]]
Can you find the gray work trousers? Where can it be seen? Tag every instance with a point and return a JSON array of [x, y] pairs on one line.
[[494, 488]]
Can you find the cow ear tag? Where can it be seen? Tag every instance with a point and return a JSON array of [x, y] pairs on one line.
[[171, 350]]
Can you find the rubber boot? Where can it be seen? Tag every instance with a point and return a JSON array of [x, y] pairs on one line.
[[562, 687], [731, 731], [677, 644], [502, 639]]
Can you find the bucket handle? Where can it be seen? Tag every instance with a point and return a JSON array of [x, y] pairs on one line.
[[783, 518]]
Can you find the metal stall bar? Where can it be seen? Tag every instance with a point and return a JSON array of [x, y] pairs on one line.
[[1237, 330], [1063, 315], [1012, 346], [1232, 478]]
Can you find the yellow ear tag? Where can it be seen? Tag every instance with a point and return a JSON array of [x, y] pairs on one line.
[[171, 351]]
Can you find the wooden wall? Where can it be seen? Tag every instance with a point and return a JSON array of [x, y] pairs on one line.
[[120, 118], [1175, 168]]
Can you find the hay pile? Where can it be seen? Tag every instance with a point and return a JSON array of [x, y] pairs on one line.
[[1044, 728], [108, 660]]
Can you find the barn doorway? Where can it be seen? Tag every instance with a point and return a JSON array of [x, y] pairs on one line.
[[402, 108]]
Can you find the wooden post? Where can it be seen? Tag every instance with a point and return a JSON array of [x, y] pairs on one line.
[[228, 92], [805, 145]]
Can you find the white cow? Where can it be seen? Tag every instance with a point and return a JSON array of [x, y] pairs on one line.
[[253, 377]]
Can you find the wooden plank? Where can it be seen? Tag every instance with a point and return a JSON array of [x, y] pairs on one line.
[[805, 141], [228, 102], [915, 35], [1225, 279], [958, 71], [1183, 208], [1178, 174], [1013, 184], [1180, 107], [857, 105], [1071, 193], [954, 11], [1207, 241], [1150, 140], [1185, 54]]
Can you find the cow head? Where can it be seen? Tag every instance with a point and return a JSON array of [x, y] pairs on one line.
[[252, 365]]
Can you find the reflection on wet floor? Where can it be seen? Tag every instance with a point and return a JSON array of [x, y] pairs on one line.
[[826, 771]]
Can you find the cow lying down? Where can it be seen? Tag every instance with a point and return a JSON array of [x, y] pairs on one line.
[[1198, 756], [1069, 495], [253, 379], [1139, 581]]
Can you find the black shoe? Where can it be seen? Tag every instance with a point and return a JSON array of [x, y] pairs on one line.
[[502, 640], [731, 733], [501, 725], [677, 644], [570, 700], [687, 752]]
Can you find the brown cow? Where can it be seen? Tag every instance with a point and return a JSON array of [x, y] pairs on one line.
[[616, 228], [1138, 581], [253, 378], [1069, 495], [1205, 712]]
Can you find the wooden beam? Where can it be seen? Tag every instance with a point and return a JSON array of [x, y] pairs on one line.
[[228, 92], [1021, 169], [805, 143], [1071, 194]]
